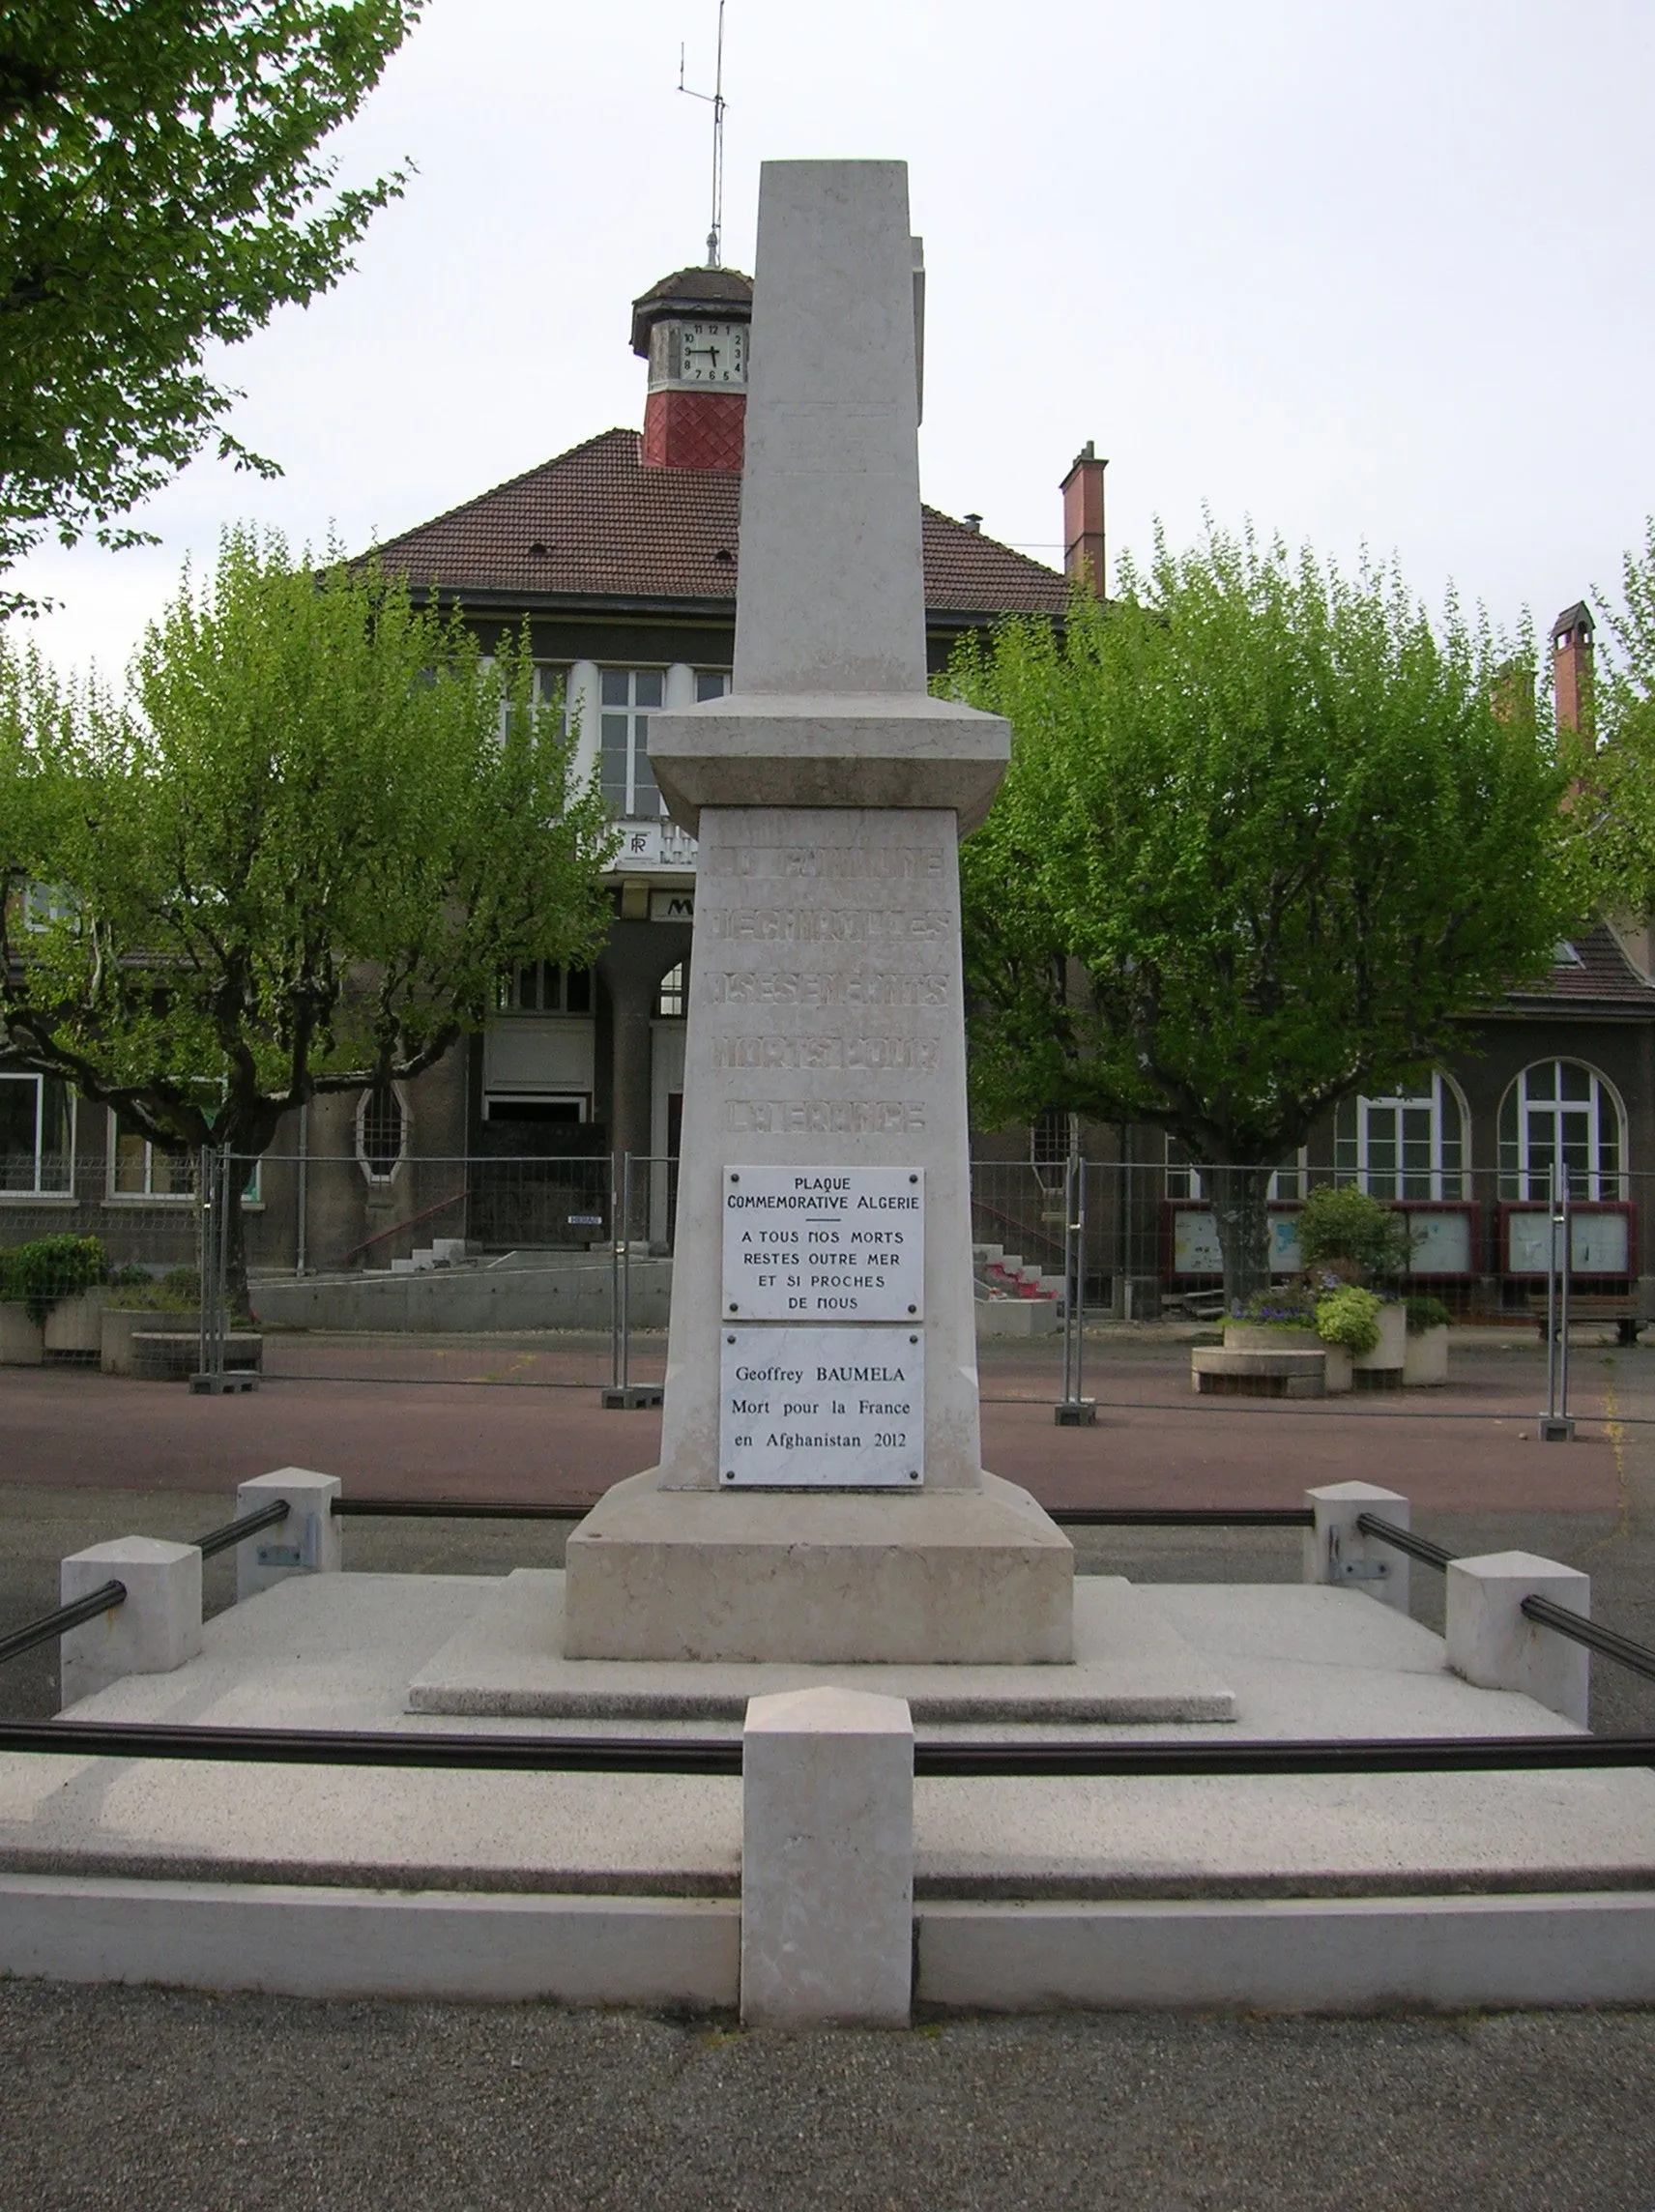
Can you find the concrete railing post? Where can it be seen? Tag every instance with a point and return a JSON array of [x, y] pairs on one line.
[[157, 1626], [827, 1860], [306, 1543], [1493, 1645], [1335, 1549]]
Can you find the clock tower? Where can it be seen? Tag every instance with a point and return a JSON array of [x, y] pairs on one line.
[[692, 328]]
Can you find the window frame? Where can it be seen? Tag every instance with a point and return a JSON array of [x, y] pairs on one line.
[[1359, 1169], [38, 1191], [374, 1181], [636, 715], [1517, 1173]]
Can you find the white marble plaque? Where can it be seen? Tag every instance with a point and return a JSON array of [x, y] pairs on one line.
[[822, 1409], [823, 1243]]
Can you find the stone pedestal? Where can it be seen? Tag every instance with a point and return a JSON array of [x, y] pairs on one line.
[[154, 1630], [980, 1576]]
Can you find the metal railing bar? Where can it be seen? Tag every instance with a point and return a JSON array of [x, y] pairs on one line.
[[1065, 1516], [66, 1616], [1576, 1626], [1183, 1516], [234, 1531], [1405, 1540], [454, 1509], [703, 1756]]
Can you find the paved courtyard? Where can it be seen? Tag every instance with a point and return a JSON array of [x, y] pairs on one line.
[[152, 2099]]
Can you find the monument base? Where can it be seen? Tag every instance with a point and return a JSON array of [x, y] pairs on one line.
[[951, 1577]]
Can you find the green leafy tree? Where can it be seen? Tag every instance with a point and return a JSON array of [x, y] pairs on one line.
[[1267, 838], [295, 858], [1614, 760], [160, 190]]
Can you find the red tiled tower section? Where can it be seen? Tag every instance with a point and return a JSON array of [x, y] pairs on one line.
[[694, 430]]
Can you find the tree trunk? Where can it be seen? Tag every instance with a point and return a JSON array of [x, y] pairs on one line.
[[1240, 1211]]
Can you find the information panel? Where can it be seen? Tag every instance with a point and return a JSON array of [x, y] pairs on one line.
[[822, 1409], [837, 1243]]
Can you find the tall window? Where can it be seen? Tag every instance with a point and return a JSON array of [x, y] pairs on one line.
[[542, 987], [626, 697], [1411, 1146], [140, 1169], [669, 995], [381, 1131], [1560, 1118], [37, 1134]]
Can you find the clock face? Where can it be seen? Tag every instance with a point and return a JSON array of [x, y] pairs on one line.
[[712, 353]]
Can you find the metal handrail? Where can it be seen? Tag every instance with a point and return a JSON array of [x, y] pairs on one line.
[[723, 1755], [1065, 1516], [103, 1599], [235, 1531], [397, 1227], [1579, 1630], [1419, 1548]]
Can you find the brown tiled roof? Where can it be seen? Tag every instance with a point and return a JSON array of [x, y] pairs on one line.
[[1601, 977], [594, 523]]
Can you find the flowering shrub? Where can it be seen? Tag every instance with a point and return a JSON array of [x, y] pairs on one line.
[[1350, 1317], [1285, 1305]]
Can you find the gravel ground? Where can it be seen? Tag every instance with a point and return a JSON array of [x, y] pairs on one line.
[[140, 2099]]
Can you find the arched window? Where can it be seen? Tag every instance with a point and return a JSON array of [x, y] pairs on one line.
[[1413, 1145], [1561, 1117], [381, 1131]]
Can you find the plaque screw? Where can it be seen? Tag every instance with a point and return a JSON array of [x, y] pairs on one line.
[[913, 1309], [912, 1340], [914, 1474], [731, 1340], [735, 1179], [913, 1179], [735, 1308], [729, 1474]]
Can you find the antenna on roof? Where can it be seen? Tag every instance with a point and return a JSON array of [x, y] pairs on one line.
[[716, 100]]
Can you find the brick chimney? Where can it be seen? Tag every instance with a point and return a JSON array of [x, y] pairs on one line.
[[1083, 519], [692, 328], [1571, 667]]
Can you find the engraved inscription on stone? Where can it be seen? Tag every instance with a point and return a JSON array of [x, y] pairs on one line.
[[829, 1244], [822, 1409]]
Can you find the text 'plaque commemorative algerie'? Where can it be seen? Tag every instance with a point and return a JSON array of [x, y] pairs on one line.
[[822, 1409], [834, 1243]]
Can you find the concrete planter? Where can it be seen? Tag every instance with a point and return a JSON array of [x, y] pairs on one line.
[[1391, 1351], [74, 1324], [1425, 1358], [1269, 1336], [115, 1353], [22, 1341], [1339, 1375]]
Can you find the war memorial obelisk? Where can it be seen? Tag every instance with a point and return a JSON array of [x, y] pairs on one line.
[[821, 1495]]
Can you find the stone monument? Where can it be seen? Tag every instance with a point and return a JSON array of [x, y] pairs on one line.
[[821, 1495]]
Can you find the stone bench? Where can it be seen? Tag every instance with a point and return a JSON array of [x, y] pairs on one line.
[[1217, 1372], [173, 1356]]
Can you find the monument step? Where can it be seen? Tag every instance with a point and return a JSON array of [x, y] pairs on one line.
[[1129, 1665]]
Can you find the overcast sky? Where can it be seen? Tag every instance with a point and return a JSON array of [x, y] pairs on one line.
[[1374, 273]]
